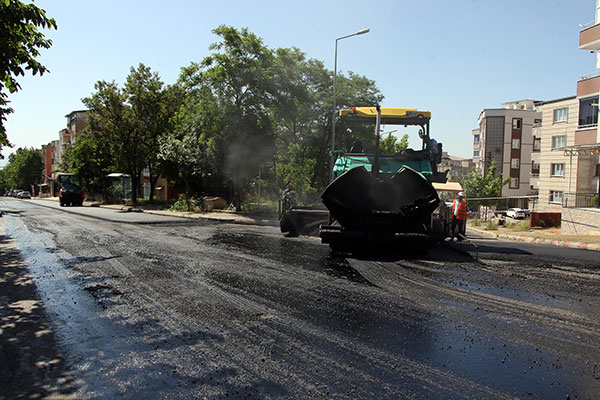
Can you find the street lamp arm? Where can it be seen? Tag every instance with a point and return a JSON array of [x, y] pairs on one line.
[[332, 150], [361, 32]]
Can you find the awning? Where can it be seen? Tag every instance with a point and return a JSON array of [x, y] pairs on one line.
[[448, 187], [579, 149]]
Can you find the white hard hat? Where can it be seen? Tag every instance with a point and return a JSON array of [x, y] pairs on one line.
[[461, 194]]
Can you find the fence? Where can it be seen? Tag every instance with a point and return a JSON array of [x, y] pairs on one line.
[[580, 200]]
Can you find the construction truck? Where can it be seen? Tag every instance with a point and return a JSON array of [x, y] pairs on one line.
[[378, 199], [70, 192]]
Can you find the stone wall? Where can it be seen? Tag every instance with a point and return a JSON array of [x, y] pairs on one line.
[[580, 221]]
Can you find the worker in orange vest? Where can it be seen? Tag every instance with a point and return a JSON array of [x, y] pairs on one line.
[[459, 216]]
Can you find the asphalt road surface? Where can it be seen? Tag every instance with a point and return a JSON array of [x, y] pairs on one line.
[[157, 307]]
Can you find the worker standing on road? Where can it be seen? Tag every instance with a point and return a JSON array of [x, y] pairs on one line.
[[459, 216], [289, 198]]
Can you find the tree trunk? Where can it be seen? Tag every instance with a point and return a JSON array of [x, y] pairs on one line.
[[153, 180], [135, 182]]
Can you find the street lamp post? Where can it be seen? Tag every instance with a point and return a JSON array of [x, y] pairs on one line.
[[332, 156]]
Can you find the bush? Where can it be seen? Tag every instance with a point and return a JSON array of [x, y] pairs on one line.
[[476, 222], [519, 226], [185, 203], [491, 226]]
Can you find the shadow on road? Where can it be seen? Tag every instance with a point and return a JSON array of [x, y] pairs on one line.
[[31, 365]]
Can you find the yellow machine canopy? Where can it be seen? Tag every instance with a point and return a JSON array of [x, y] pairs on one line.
[[389, 115]]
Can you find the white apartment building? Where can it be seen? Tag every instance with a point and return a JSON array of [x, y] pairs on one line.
[[506, 137]]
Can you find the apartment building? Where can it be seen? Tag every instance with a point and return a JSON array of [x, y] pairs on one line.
[[456, 166], [476, 146], [558, 172], [76, 123], [49, 160], [570, 160], [506, 137], [570, 148]]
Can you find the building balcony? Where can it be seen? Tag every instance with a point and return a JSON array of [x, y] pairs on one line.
[[589, 84], [589, 36]]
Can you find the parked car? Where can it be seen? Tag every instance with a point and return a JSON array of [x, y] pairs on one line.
[[24, 195], [515, 213]]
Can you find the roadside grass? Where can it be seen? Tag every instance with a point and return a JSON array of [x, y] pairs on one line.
[[555, 236], [523, 228]]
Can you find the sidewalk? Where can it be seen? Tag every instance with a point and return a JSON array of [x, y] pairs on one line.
[[231, 217], [539, 237]]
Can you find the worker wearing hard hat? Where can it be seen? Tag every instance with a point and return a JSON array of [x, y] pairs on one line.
[[459, 216]]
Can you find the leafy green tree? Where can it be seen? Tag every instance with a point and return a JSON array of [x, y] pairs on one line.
[[187, 157], [391, 145], [24, 168], [90, 158], [20, 42], [476, 185], [238, 75], [4, 186], [302, 118], [131, 120]]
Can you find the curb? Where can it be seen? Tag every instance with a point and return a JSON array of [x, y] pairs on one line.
[[226, 218], [551, 242]]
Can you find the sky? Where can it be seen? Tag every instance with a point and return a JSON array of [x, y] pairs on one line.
[[453, 58]]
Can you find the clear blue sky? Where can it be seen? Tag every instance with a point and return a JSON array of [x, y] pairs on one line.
[[453, 58]]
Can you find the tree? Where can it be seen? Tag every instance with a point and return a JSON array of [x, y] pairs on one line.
[[90, 158], [391, 145], [303, 118], [24, 168], [131, 120], [476, 185], [20, 41], [238, 75]]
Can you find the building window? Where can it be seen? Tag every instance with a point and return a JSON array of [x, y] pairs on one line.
[[475, 139], [475, 153], [516, 143], [537, 144], [560, 115], [588, 112], [514, 183], [537, 122], [597, 170], [557, 169], [556, 196], [514, 163], [516, 123], [559, 142]]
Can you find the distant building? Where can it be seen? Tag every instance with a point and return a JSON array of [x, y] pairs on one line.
[[49, 160], [506, 138], [76, 123], [456, 166], [476, 146]]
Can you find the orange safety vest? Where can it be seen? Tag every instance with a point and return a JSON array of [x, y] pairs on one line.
[[459, 208]]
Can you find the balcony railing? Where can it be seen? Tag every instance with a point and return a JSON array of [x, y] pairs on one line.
[[588, 126], [580, 200], [588, 25], [591, 75]]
